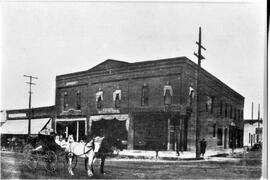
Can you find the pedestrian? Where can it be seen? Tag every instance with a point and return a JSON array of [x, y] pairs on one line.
[[203, 144]]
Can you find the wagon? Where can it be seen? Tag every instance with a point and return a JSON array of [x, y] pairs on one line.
[[43, 150]]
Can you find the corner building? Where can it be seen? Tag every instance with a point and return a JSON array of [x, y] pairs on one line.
[[149, 105]]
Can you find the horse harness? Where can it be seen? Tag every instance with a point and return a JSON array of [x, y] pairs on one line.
[[92, 147]]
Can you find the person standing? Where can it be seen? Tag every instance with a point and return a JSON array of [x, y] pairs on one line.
[[203, 145]]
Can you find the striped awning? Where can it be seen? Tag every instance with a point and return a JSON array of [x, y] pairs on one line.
[[20, 126]]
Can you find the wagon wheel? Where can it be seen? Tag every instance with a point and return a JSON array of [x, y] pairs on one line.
[[50, 160], [30, 158], [27, 149], [62, 158]]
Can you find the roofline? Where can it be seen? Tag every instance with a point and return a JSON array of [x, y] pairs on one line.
[[34, 108], [184, 59]]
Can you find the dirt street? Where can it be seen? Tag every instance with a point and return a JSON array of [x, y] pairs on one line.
[[12, 166]]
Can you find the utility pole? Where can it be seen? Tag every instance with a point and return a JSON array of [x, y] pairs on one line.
[[200, 57], [259, 116], [29, 105], [252, 111]]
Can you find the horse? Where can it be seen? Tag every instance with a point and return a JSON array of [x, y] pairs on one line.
[[95, 147]]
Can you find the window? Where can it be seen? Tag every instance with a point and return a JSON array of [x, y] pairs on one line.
[[78, 103], [168, 93], [65, 105], [191, 95], [226, 110], [234, 117], [117, 97], [242, 116], [99, 98], [214, 130], [209, 106], [219, 136], [145, 95], [220, 108], [249, 137], [212, 104], [238, 115], [231, 111], [99, 103]]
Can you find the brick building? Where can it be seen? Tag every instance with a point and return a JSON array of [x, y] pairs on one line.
[[149, 105]]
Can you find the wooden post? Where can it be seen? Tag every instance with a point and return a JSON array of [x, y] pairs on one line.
[[169, 137], [198, 126]]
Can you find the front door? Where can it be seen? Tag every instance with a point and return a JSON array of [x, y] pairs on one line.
[[225, 138]]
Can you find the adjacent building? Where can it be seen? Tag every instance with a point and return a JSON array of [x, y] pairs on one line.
[[149, 105], [16, 124], [252, 132]]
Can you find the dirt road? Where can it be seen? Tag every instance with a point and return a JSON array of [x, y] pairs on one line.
[[12, 166]]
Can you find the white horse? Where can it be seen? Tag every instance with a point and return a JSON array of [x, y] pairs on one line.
[[86, 150]]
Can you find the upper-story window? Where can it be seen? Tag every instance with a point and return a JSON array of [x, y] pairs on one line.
[[65, 104], [226, 110], [145, 95], [242, 115], [209, 106], [168, 93], [231, 111], [221, 108], [238, 115], [191, 95], [78, 100], [99, 98], [234, 117], [117, 98]]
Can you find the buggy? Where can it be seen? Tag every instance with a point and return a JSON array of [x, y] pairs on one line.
[[44, 150]]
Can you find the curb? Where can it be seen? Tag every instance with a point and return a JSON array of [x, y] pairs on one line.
[[158, 158]]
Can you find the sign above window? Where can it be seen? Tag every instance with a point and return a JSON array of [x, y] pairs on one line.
[[71, 83], [108, 111], [17, 115]]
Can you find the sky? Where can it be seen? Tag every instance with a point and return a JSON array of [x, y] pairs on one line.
[[46, 39]]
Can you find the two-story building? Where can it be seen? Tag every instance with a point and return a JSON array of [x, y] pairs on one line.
[[149, 105]]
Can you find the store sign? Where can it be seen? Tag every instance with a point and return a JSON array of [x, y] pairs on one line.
[[17, 115], [108, 111], [71, 83]]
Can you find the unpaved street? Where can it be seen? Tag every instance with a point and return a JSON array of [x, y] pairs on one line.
[[214, 168]]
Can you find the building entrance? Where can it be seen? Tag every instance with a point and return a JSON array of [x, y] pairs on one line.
[[113, 128], [177, 134]]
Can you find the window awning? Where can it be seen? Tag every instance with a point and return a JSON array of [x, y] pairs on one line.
[[119, 117], [21, 126]]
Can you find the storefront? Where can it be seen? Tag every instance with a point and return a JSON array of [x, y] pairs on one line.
[[116, 125], [71, 126]]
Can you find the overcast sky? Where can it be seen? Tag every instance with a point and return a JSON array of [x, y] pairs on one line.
[[46, 39]]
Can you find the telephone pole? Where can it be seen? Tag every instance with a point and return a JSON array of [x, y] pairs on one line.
[[29, 105], [200, 57]]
